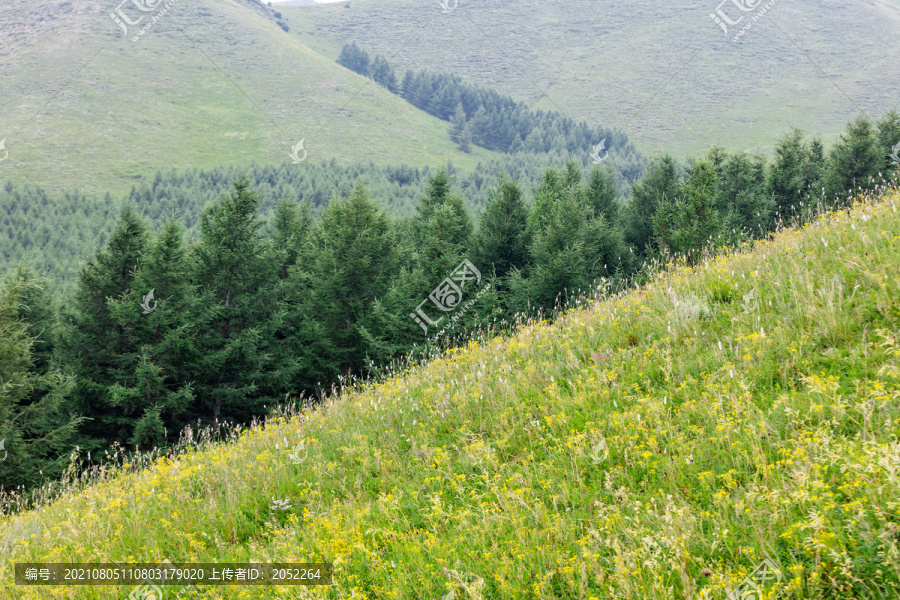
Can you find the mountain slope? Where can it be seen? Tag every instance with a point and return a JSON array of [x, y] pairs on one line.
[[657, 444], [211, 82], [663, 72]]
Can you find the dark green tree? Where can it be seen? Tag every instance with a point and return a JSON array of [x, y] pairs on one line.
[[889, 140], [786, 178], [36, 429], [459, 129], [93, 341], [153, 385], [661, 184], [686, 227], [501, 242], [854, 161], [353, 264], [234, 275]]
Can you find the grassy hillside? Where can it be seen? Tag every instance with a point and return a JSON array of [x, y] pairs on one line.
[[657, 444], [213, 82], [663, 72]]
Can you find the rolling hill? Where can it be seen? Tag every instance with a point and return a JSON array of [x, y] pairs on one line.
[[662, 72], [210, 83], [661, 443]]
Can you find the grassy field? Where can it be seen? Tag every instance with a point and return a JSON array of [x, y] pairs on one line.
[[657, 444], [214, 82], [663, 72]]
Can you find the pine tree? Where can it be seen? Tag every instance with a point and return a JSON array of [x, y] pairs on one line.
[[36, 429], [814, 172], [743, 197], [153, 384], [234, 275], [354, 58], [601, 193], [786, 178], [353, 265], [889, 140], [684, 228], [383, 74], [854, 160], [459, 129], [92, 341], [441, 229], [502, 239], [661, 185], [290, 230]]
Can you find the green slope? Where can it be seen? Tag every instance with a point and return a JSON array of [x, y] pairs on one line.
[[213, 82], [658, 444], [662, 72]]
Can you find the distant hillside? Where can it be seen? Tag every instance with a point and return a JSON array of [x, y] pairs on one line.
[[663, 443], [211, 83], [662, 72]]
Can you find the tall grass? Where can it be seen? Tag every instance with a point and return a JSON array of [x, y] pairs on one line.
[[658, 443]]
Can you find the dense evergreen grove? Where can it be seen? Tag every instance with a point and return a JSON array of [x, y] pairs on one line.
[[481, 116], [259, 308], [57, 233]]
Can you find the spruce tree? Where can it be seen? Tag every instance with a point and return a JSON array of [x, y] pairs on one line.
[[353, 265], [234, 275], [601, 195], [92, 341], [661, 185], [36, 428], [153, 384], [502, 240], [786, 177], [854, 161], [684, 228], [459, 129], [889, 140]]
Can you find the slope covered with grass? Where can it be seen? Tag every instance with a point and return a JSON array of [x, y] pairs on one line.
[[663, 72], [211, 83], [657, 444]]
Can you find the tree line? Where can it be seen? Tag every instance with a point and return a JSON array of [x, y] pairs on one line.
[[161, 331], [481, 116]]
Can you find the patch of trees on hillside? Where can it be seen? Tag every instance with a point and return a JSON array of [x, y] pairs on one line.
[[161, 330]]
